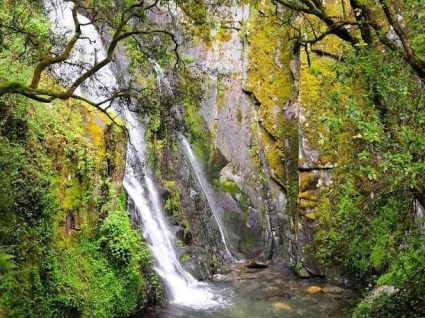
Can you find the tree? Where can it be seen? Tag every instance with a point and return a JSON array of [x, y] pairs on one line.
[[362, 23], [383, 28], [25, 29]]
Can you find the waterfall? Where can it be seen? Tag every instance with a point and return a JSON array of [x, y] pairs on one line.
[[208, 192], [183, 289]]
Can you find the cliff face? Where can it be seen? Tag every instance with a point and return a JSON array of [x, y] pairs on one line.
[[250, 106], [258, 131], [237, 136], [251, 111]]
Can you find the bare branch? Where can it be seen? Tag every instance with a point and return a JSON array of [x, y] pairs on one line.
[[410, 57]]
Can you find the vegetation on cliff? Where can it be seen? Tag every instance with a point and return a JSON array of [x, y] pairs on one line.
[[62, 221], [67, 245], [361, 88]]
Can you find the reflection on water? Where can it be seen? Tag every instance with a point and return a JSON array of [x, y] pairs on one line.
[[272, 292]]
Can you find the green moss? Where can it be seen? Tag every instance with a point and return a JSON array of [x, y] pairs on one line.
[[185, 257], [307, 200], [228, 186], [321, 96], [250, 243], [275, 156], [172, 204], [311, 216], [310, 196], [71, 199], [306, 204], [199, 134], [95, 127], [223, 35], [323, 209], [221, 90], [244, 204]]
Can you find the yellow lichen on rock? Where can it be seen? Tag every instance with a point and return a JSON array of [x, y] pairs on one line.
[[270, 80], [307, 199], [311, 216], [308, 180], [273, 156]]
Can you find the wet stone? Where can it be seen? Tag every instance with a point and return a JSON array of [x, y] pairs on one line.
[[314, 289], [281, 306], [333, 290]]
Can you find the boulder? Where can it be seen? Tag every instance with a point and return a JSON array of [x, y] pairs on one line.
[[379, 291], [302, 272]]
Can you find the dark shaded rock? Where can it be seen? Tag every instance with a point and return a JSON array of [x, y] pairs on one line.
[[180, 233], [166, 193], [302, 272], [255, 264], [187, 238]]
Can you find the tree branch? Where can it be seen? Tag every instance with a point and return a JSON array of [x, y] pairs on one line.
[[410, 57], [47, 59]]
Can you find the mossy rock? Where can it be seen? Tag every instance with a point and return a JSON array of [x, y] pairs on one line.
[[308, 180], [307, 200]]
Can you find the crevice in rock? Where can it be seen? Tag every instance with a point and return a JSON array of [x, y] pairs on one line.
[[308, 169], [268, 132], [279, 183], [252, 96]]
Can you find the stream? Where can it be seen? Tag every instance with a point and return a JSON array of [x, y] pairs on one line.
[[271, 292]]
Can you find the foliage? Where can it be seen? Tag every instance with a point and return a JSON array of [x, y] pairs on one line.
[[23, 27], [6, 262], [48, 172], [367, 223], [117, 239]]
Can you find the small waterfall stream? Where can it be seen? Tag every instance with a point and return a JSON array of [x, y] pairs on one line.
[[165, 88], [208, 192], [183, 289]]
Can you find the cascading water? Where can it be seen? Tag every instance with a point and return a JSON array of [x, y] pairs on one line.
[[208, 192], [183, 289]]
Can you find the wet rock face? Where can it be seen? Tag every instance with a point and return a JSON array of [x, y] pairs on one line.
[[260, 140], [202, 250], [312, 182], [257, 212]]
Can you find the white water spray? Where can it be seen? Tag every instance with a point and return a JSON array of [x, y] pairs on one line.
[[183, 289]]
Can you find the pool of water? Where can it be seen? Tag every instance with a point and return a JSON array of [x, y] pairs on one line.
[[271, 292]]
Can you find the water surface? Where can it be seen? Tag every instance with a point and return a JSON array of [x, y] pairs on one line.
[[271, 292]]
